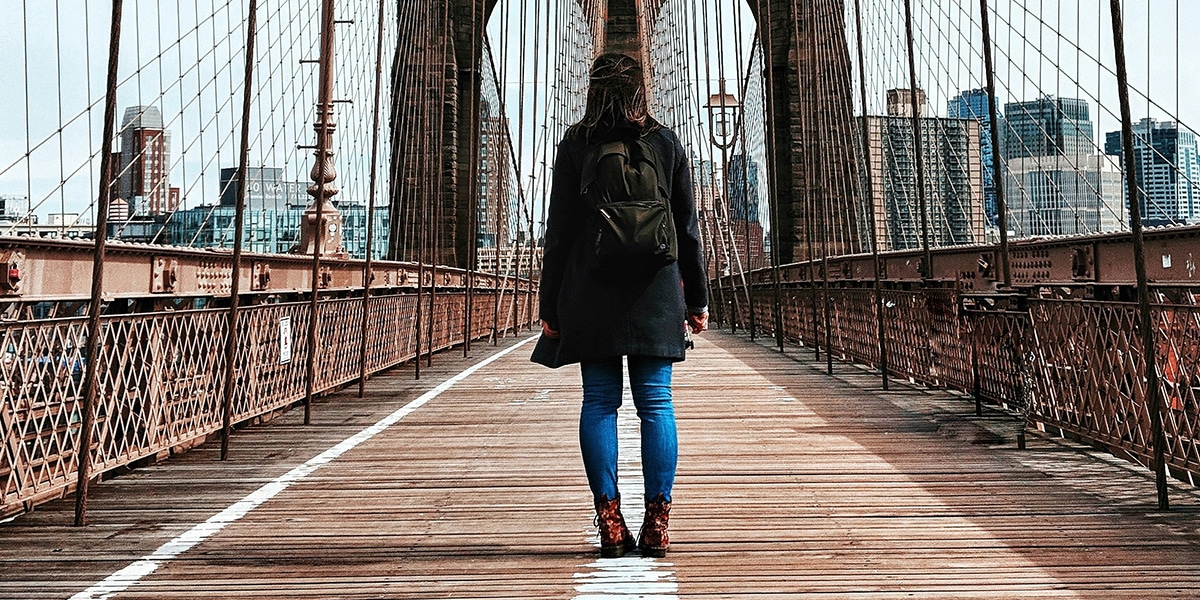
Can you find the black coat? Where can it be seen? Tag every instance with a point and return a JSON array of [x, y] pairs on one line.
[[600, 316]]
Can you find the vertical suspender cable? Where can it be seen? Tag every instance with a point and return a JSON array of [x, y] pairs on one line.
[[497, 288], [323, 175], [239, 213], [869, 192], [367, 276], [841, 125], [745, 87], [519, 153], [743, 265], [473, 141], [768, 59], [807, 127], [435, 211], [707, 223], [420, 213], [997, 163], [83, 452], [918, 142], [720, 202], [823, 196], [1154, 402]]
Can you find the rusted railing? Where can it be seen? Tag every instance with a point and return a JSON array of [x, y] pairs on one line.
[[161, 374], [1062, 349], [1076, 363]]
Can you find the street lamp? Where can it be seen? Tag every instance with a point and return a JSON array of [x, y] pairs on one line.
[[722, 117]]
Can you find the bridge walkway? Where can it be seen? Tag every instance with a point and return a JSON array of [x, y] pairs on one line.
[[792, 484]]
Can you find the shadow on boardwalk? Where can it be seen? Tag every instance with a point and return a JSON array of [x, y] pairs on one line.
[[792, 483]]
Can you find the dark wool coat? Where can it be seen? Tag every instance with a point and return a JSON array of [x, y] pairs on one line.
[[600, 316]]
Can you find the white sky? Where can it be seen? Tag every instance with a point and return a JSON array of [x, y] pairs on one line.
[[55, 53]]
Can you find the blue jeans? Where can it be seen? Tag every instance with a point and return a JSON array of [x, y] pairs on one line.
[[650, 381]]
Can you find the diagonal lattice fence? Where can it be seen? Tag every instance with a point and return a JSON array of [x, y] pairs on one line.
[[161, 375]]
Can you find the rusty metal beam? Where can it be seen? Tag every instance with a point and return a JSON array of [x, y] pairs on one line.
[[1076, 266]]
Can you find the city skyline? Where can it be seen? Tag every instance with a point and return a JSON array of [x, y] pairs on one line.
[[1051, 73]]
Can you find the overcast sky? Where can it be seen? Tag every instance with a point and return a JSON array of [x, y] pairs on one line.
[[55, 53]]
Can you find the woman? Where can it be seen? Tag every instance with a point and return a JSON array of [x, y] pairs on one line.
[[595, 318]]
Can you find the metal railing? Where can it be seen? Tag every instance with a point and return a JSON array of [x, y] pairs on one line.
[[1062, 349], [161, 373]]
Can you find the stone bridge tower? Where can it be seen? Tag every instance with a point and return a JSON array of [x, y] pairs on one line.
[[812, 96]]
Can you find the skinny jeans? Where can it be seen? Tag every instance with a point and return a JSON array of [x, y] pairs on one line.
[[650, 382]]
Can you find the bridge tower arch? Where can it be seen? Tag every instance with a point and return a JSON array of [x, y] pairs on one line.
[[812, 99]]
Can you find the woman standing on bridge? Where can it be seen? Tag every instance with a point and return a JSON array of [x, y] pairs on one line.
[[595, 315]]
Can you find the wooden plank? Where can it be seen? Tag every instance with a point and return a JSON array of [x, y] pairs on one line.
[[791, 484]]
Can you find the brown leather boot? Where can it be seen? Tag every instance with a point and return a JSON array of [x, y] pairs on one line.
[[652, 539], [615, 539]]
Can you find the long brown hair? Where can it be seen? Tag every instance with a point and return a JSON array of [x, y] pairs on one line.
[[616, 98]]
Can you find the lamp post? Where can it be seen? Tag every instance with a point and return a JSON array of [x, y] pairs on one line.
[[724, 114]]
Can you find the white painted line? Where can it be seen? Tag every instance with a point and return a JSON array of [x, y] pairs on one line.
[[121, 580]]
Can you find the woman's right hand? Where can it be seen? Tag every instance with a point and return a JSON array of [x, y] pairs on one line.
[[548, 331]]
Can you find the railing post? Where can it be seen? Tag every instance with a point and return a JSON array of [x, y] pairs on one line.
[[1154, 402], [997, 162], [323, 174], [239, 215], [83, 451], [977, 387], [368, 277], [870, 194]]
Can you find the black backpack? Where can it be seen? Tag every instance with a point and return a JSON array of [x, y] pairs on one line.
[[630, 228]]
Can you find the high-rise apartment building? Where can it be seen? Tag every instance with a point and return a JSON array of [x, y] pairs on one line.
[[1057, 182], [973, 104], [143, 165], [1063, 195], [953, 178], [743, 188], [1048, 126], [746, 225], [1167, 168], [705, 187], [494, 203]]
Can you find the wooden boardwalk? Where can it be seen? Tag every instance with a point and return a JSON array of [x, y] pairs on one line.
[[792, 484]]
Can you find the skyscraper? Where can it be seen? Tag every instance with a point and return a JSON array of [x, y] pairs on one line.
[[746, 226], [1048, 126], [495, 182], [1061, 195], [973, 104], [953, 178], [143, 168], [710, 219], [1167, 169], [1057, 182], [743, 188]]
